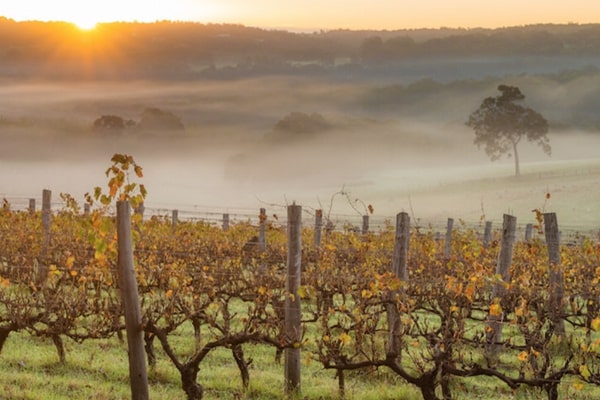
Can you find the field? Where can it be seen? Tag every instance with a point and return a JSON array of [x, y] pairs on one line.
[[97, 370]]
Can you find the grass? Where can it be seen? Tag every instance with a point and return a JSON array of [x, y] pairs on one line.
[[97, 370]]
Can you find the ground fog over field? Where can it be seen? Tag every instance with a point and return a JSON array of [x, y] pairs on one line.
[[230, 156]]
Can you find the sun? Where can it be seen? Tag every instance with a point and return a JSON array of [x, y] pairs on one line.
[[85, 23]]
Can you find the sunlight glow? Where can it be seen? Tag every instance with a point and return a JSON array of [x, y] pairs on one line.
[[86, 24], [328, 14]]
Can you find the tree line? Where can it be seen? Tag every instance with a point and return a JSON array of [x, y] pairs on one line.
[[180, 50]]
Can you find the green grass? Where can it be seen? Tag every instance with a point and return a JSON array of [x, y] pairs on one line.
[[97, 370]]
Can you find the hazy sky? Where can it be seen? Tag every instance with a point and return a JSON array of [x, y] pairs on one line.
[[313, 14]]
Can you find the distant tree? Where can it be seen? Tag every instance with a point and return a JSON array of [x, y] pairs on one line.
[[157, 119], [372, 49], [112, 123], [298, 125], [500, 124]]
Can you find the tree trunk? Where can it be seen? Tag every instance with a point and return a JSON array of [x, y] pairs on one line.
[[149, 347], [3, 336], [238, 355], [192, 389], [516, 155], [60, 348], [428, 392], [552, 391]]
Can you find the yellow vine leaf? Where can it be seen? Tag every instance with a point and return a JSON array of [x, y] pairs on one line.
[[496, 310], [584, 372], [345, 338], [523, 356], [596, 324]]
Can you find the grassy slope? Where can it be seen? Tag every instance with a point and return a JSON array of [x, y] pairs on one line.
[[573, 187]]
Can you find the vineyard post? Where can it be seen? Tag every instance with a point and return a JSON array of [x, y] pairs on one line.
[[487, 234], [140, 209], [174, 218], [448, 244], [495, 319], [528, 232], [293, 327], [225, 222], [262, 229], [31, 206], [318, 227], [400, 269], [46, 217], [46, 211], [129, 295], [365, 224], [556, 274]]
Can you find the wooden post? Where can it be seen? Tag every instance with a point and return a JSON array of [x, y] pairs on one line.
[[293, 327], [46, 218], [140, 209], [528, 232], [225, 222], [399, 268], [487, 234], [262, 229], [495, 319], [46, 211], [86, 209], [448, 243], [174, 218], [556, 274], [31, 206], [365, 224], [318, 228], [133, 315]]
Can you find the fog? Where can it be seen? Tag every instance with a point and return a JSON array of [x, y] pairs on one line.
[[415, 154]]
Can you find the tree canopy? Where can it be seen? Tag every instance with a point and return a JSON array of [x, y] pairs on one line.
[[500, 124]]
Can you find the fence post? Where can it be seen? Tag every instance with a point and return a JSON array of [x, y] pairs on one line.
[[448, 243], [133, 314], [174, 218], [495, 318], [140, 209], [46, 211], [293, 328], [46, 218], [225, 222], [262, 229], [86, 209], [556, 274], [31, 206], [318, 228], [399, 268], [487, 234], [365, 224], [528, 232]]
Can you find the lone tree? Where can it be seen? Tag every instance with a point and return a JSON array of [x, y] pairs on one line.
[[500, 124]]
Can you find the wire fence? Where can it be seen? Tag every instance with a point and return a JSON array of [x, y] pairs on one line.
[[276, 215]]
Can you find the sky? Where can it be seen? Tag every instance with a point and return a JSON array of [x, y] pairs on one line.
[[312, 14]]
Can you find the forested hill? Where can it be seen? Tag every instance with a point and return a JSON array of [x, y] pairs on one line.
[[177, 50]]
